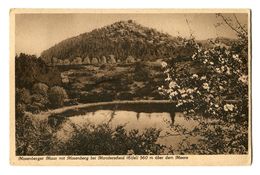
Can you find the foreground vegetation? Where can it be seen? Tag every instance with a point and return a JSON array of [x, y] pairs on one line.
[[216, 90], [37, 137]]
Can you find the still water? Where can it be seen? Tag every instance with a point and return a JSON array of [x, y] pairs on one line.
[[133, 120]]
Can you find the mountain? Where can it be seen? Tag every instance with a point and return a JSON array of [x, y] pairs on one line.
[[121, 39]]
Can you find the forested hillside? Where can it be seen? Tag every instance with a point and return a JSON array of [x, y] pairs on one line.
[[121, 39]]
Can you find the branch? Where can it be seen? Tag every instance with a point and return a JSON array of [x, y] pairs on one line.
[[239, 23], [230, 25], [188, 24]]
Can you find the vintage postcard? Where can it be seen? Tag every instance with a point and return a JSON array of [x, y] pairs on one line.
[[130, 87]]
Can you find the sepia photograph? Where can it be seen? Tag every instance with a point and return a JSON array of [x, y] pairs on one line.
[[148, 87]]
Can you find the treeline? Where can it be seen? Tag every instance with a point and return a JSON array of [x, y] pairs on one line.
[[121, 39]]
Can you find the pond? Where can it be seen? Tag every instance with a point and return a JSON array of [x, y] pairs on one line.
[[163, 121]]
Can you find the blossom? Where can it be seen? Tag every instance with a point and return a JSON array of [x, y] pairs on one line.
[[172, 84], [227, 52], [168, 78], [218, 70], [235, 56], [229, 107], [206, 52], [179, 104], [205, 86], [184, 95], [194, 56], [194, 76], [243, 79], [205, 61], [228, 71], [181, 91], [174, 93], [164, 64], [169, 91], [166, 71], [203, 78], [224, 82], [191, 111], [190, 90]]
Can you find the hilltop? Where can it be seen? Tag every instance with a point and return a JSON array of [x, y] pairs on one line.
[[120, 39]]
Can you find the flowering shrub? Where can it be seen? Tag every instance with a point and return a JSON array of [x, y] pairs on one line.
[[219, 88], [214, 87]]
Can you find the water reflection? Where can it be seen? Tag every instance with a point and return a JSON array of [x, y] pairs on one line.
[[133, 120]]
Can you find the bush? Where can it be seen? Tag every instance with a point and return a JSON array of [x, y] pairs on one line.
[[37, 137], [57, 95], [42, 99], [103, 140], [219, 91], [33, 137], [40, 88]]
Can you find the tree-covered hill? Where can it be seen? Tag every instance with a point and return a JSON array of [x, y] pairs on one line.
[[121, 39]]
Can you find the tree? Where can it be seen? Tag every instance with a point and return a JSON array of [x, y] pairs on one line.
[[218, 90], [57, 95], [30, 69], [77, 60], [220, 87], [94, 61]]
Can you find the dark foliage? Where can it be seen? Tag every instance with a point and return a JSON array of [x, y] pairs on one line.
[[103, 140], [30, 70], [57, 96], [38, 137], [33, 137]]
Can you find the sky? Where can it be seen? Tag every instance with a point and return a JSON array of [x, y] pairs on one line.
[[35, 33]]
